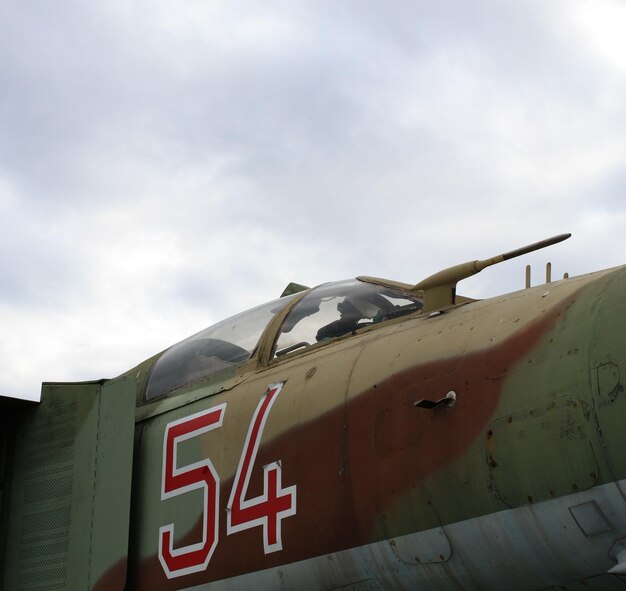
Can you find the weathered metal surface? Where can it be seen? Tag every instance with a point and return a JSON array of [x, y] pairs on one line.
[[551, 552], [70, 498], [370, 468], [315, 470]]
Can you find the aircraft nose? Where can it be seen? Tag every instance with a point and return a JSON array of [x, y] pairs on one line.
[[607, 364]]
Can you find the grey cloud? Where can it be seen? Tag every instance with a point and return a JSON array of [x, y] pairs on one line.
[[293, 112], [187, 159], [36, 260]]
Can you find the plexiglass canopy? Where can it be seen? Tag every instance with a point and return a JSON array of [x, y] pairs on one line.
[[323, 314]]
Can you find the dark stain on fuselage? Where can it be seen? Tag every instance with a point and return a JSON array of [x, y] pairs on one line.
[[343, 479]]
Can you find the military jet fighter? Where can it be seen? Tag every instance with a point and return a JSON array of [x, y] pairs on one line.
[[364, 434]]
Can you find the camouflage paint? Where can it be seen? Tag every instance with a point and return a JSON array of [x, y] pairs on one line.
[[391, 496], [372, 468]]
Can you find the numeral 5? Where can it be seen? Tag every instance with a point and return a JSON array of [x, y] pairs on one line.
[[177, 481]]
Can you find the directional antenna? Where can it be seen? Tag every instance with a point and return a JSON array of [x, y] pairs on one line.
[[439, 290]]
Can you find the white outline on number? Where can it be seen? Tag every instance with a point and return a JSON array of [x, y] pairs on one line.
[[244, 504], [221, 408]]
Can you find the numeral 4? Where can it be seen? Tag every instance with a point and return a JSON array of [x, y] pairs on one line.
[[276, 502]]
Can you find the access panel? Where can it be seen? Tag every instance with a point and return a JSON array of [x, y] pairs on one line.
[[70, 487]]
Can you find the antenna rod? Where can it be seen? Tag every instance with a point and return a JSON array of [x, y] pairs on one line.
[[480, 265], [440, 289]]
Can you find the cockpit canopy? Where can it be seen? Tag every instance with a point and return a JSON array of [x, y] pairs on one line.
[[225, 344], [323, 314], [335, 309]]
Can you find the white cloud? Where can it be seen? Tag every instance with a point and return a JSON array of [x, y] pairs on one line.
[[165, 165], [601, 26]]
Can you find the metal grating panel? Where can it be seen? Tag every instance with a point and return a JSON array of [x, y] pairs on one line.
[[46, 500], [43, 495], [67, 521]]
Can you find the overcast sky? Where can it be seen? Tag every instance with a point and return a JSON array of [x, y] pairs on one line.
[[164, 165]]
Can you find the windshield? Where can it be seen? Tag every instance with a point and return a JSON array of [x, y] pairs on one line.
[[335, 309], [225, 344]]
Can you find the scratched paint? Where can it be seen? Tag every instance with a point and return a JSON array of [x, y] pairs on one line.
[[369, 467]]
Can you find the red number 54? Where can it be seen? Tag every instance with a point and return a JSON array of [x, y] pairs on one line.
[[267, 510]]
